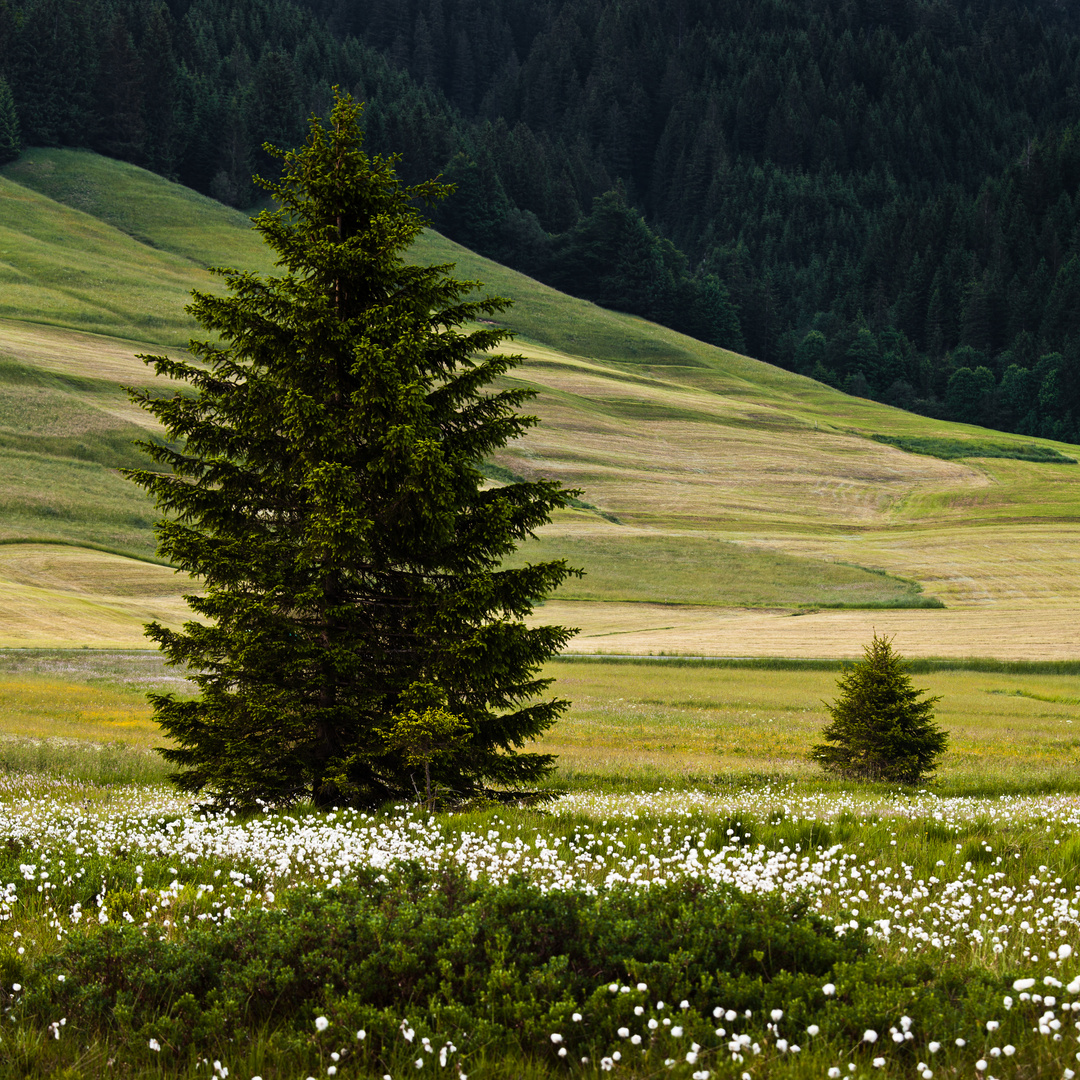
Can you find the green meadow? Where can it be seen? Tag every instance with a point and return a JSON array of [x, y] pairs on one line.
[[632, 725], [694, 898], [693, 880], [709, 480]]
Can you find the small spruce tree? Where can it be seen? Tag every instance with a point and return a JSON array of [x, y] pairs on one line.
[[880, 729], [324, 489]]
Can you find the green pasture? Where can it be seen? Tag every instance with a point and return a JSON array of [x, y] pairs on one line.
[[630, 726], [692, 569], [708, 478], [664, 763], [156, 212], [655, 723]]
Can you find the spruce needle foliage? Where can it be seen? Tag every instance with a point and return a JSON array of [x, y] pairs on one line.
[[324, 489], [880, 729], [10, 137]]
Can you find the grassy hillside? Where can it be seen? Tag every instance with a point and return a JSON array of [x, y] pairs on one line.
[[721, 495]]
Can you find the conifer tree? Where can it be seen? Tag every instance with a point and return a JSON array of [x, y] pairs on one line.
[[324, 490], [880, 729], [10, 138]]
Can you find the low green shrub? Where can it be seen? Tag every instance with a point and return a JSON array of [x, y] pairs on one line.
[[492, 970]]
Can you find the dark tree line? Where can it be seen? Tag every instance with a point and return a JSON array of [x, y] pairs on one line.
[[881, 191], [193, 89]]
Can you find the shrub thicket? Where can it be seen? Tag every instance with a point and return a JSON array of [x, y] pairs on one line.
[[484, 965]]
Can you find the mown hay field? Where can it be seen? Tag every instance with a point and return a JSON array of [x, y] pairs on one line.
[[727, 507]]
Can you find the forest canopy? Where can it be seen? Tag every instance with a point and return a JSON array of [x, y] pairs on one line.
[[880, 193]]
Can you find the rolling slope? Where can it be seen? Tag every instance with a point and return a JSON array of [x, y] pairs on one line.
[[728, 507]]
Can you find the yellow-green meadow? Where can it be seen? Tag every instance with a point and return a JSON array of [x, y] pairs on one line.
[[728, 508], [629, 723]]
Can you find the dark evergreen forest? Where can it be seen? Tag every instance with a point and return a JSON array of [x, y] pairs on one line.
[[884, 194]]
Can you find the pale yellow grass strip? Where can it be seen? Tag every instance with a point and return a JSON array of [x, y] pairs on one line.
[[55, 596], [1004, 632]]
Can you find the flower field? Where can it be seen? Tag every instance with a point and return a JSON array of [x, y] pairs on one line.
[[939, 936]]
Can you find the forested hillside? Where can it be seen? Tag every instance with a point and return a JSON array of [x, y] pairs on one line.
[[883, 193]]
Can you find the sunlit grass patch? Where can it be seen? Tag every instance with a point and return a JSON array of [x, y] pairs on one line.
[[628, 564], [701, 722], [56, 594], [951, 449]]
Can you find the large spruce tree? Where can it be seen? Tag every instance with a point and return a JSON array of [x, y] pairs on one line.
[[324, 490]]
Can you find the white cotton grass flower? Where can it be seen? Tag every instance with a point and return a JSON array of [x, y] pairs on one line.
[[812, 1030], [321, 1023], [676, 1032], [642, 987], [992, 1025], [981, 1064], [1008, 1050], [1023, 984], [777, 1014], [933, 1047], [155, 1046], [878, 1063], [870, 1036], [576, 1018], [829, 989], [556, 1037], [361, 1035]]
